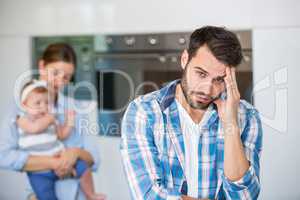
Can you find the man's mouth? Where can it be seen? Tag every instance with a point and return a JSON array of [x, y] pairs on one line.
[[202, 99]]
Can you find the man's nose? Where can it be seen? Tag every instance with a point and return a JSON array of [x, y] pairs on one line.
[[206, 87]]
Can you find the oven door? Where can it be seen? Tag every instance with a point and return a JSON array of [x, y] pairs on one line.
[[123, 77]]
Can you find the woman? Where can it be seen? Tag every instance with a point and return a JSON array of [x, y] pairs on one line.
[[56, 67]]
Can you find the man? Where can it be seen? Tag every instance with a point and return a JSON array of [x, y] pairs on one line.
[[195, 138]]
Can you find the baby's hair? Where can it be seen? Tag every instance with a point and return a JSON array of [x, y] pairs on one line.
[[39, 89]]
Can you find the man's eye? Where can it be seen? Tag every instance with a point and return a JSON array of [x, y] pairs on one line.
[[202, 75], [219, 80]]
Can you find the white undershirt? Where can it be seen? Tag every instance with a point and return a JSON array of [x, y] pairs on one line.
[[191, 133]]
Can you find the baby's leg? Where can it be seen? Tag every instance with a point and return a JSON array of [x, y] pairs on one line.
[[86, 181], [43, 185], [87, 185]]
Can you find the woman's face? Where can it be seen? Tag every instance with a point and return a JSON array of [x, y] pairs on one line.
[[56, 74]]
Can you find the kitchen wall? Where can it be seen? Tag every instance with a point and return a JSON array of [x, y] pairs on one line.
[[276, 44], [276, 80], [49, 17]]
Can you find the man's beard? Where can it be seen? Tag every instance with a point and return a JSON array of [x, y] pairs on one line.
[[188, 93]]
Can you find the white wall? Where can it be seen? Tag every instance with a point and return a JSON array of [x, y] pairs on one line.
[[111, 179], [36, 17], [14, 59], [19, 20], [276, 58]]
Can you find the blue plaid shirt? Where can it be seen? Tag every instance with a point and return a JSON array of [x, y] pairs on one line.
[[152, 148]]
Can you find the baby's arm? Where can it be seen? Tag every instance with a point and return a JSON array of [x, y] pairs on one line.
[[63, 131], [36, 126]]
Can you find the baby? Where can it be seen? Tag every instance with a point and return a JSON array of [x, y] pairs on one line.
[[40, 134]]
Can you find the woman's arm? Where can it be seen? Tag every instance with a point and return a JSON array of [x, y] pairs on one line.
[[68, 159], [73, 154], [11, 156], [62, 164], [39, 163], [85, 155], [36, 126]]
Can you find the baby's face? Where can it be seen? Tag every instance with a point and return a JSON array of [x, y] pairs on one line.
[[36, 104]]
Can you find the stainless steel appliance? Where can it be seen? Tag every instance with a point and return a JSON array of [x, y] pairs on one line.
[[121, 67]]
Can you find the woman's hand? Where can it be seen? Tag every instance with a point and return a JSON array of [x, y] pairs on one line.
[[66, 162]]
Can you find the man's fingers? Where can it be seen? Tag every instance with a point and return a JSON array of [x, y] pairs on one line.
[[231, 83], [228, 82], [219, 102], [234, 82]]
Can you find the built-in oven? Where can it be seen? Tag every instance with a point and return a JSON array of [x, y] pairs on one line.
[[123, 77]]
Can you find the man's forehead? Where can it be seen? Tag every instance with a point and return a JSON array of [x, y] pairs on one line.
[[212, 71], [207, 61]]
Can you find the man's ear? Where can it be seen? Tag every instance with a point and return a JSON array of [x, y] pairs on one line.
[[184, 59]]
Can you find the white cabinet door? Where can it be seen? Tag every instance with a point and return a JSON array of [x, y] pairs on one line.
[[14, 59], [276, 56]]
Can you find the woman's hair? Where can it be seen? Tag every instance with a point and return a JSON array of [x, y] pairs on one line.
[[59, 52]]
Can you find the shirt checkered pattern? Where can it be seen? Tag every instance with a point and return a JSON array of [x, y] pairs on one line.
[[152, 148]]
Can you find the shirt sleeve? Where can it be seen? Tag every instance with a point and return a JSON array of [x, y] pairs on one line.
[[248, 187], [11, 157], [140, 156]]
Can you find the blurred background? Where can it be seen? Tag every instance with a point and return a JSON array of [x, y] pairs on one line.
[[144, 39]]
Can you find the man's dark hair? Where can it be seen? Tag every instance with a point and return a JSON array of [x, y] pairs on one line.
[[223, 44]]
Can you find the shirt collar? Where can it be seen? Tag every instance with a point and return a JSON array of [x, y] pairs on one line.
[[167, 94]]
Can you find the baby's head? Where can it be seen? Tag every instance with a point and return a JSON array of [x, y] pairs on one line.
[[34, 98]]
